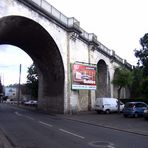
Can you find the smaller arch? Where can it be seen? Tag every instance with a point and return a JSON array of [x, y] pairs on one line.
[[103, 80]]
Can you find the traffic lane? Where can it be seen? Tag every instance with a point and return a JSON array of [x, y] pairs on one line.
[[99, 134], [91, 133], [88, 135], [29, 132], [114, 121], [117, 138]]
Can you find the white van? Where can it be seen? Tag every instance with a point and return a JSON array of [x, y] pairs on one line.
[[107, 105]]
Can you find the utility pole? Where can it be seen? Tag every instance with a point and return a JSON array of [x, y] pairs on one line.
[[18, 101]]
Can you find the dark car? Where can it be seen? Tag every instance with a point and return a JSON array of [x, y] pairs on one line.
[[134, 109], [146, 113]]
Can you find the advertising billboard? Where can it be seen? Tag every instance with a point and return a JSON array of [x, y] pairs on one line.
[[83, 76]]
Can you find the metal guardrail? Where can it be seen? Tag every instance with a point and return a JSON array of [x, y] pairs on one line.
[[73, 23]]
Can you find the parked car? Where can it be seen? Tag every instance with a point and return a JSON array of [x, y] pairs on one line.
[[146, 113], [134, 109], [11, 101], [107, 105], [31, 103]]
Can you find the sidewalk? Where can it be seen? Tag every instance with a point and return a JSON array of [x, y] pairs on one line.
[[114, 121]]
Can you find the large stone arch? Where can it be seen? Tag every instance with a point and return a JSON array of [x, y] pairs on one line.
[[103, 80], [32, 38]]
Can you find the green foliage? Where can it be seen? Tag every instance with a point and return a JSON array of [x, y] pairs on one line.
[[32, 81], [137, 82], [142, 54], [32, 74], [141, 86], [123, 78], [144, 87], [25, 89]]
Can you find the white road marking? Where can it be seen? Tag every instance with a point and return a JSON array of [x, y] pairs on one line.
[[101, 144], [65, 131], [28, 117], [18, 114], [47, 124]]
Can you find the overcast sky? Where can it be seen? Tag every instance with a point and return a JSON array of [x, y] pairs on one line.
[[118, 24], [10, 59]]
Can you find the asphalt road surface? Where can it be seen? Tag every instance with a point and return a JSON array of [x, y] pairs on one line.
[[28, 129]]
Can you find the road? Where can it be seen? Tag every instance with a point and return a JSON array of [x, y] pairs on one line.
[[28, 129]]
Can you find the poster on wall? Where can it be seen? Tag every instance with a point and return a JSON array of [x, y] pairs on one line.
[[83, 76]]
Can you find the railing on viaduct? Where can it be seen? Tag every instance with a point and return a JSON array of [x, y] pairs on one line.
[[71, 24]]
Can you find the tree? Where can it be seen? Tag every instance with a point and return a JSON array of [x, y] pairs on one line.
[[123, 78], [32, 81], [144, 87], [137, 82], [142, 54]]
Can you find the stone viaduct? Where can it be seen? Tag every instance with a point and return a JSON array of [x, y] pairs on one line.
[[55, 42]]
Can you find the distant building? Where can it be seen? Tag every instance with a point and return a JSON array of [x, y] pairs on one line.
[[11, 92]]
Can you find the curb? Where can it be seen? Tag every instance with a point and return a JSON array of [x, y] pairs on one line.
[[5, 141]]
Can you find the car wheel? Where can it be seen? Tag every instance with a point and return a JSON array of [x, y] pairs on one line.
[[125, 116], [98, 111], [136, 115], [107, 111]]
